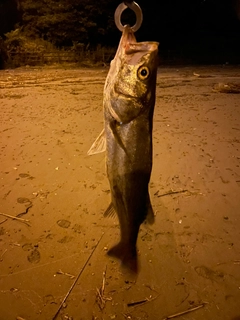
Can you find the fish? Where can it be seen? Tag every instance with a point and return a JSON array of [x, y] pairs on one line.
[[128, 107]]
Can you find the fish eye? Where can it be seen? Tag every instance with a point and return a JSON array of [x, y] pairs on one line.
[[143, 73]]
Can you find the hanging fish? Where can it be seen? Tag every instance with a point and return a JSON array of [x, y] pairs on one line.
[[129, 98]]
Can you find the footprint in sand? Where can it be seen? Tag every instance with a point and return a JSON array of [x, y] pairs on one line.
[[34, 256], [64, 223], [25, 175]]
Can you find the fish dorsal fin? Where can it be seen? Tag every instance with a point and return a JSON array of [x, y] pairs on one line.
[[99, 145], [110, 211]]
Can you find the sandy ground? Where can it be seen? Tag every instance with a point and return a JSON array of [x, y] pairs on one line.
[[189, 258]]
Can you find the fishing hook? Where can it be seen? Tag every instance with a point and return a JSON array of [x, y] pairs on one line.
[[133, 6]]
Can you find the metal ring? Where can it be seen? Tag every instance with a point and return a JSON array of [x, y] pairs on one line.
[[133, 6]]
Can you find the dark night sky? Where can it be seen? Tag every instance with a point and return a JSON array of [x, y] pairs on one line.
[[9, 15], [165, 18], [208, 28]]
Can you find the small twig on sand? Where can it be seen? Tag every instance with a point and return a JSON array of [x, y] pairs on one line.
[[26, 210], [135, 303], [101, 303], [3, 254], [3, 221], [184, 312], [170, 192], [103, 281], [76, 280], [100, 292], [15, 218], [132, 304], [65, 274]]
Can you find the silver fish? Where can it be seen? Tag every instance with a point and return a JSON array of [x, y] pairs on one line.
[[129, 99]]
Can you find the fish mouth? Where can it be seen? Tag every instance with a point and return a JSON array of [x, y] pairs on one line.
[[131, 45]]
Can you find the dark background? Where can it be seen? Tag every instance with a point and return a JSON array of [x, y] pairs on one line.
[[189, 31]]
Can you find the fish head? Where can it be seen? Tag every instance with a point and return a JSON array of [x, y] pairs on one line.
[[131, 82]]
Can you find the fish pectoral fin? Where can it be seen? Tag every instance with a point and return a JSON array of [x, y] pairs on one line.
[[99, 145], [110, 211]]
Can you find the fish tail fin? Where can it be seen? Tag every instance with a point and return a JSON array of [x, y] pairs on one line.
[[99, 145], [127, 254]]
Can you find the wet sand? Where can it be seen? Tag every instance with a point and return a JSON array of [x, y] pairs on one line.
[[189, 257]]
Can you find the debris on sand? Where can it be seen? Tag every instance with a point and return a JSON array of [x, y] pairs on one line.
[[140, 302], [65, 274], [184, 312], [15, 218], [76, 280], [226, 88], [101, 298]]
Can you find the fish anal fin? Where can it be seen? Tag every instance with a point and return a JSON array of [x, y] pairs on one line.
[[110, 211], [99, 144]]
